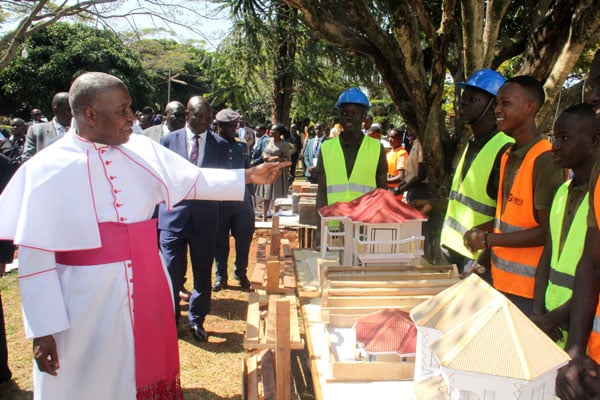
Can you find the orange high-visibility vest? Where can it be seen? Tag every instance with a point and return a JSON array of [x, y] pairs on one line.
[[594, 341], [513, 268], [392, 160]]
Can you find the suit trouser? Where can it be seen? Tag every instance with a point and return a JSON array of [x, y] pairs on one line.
[[240, 221], [174, 247], [4, 371]]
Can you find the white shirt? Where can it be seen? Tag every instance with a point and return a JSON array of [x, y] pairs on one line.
[[60, 130], [189, 136]]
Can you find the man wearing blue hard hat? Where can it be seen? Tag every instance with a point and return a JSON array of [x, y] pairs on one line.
[[472, 200], [352, 163]]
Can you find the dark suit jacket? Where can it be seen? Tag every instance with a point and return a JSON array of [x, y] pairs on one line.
[[203, 214]]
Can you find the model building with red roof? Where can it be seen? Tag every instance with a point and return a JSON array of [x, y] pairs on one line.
[[389, 331]]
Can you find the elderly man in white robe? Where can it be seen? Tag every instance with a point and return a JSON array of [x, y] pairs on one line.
[[96, 297]]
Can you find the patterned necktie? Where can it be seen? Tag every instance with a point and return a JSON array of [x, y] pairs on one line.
[[194, 153]]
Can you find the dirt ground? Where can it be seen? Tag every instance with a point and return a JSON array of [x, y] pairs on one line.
[[211, 370]]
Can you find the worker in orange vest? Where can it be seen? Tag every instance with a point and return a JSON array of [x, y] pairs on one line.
[[528, 179]]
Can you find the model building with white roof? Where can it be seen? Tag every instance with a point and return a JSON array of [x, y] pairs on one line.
[[483, 346]]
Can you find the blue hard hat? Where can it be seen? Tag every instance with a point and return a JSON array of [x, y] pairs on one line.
[[485, 79], [355, 96]]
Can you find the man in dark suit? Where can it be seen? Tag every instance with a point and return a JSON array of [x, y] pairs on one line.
[[193, 224], [41, 135], [236, 217]]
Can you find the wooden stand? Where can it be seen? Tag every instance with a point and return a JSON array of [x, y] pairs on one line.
[[262, 378], [274, 273], [261, 322]]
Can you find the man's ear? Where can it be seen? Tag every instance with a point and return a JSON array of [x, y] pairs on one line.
[[596, 138], [89, 113], [532, 107]]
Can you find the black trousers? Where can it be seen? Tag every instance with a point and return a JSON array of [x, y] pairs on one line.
[[5, 373]]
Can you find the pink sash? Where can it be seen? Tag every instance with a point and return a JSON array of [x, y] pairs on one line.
[[154, 329]]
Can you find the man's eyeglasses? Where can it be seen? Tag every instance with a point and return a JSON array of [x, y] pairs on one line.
[[178, 115]]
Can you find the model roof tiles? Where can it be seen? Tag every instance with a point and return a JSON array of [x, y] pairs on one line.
[[377, 206], [387, 331], [497, 339]]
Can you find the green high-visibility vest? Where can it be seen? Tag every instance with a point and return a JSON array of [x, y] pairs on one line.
[[469, 204], [362, 179], [563, 263]]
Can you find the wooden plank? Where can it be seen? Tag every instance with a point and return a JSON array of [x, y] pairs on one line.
[[294, 322], [369, 301], [306, 276], [366, 310], [289, 281], [250, 378], [253, 319], [401, 291], [269, 338], [372, 371], [258, 274], [268, 375], [285, 247], [388, 276], [323, 264], [275, 224], [272, 276], [311, 315], [450, 269], [391, 284], [271, 322], [282, 352], [274, 248]]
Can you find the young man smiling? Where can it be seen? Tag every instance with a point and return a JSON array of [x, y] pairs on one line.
[[528, 180]]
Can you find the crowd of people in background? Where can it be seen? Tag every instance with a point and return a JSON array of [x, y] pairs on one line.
[[511, 215]]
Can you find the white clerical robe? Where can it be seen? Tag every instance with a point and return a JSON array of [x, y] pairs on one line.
[[54, 203]]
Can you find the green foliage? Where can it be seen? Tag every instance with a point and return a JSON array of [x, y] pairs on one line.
[[244, 68], [60, 53], [186, 62]]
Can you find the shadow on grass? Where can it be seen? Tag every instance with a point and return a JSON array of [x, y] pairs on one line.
[[231, 309], [203, 394], [218, 342], [11, 390]]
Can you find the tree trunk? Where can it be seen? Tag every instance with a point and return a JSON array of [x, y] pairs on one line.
[[411, 54], [283, 77]]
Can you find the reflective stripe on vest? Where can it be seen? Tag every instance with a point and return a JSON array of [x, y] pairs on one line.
[[362, 180], [597, 201], [469, 204], [594, 341], [563, 263], [513, 268]]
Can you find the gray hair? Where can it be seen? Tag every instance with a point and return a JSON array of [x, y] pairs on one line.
[[88, 87]]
